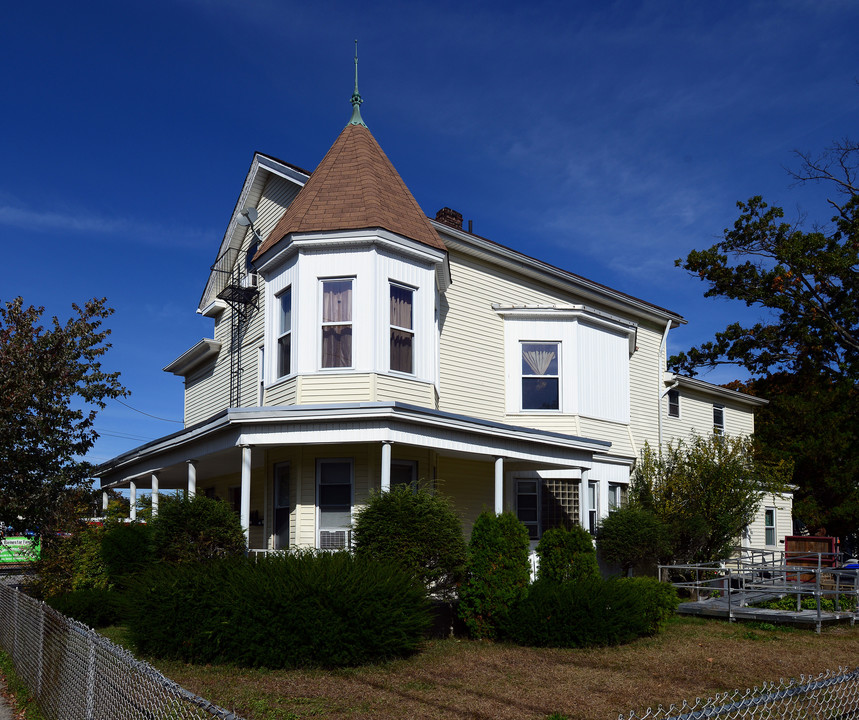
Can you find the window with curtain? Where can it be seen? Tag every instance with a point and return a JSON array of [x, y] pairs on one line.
[[402, 329], [284, 333], [540, 380], [336, 323]]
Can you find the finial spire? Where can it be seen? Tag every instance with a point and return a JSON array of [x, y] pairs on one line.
[[357, 100]]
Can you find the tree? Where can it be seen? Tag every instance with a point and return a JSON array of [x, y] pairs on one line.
[[705, 491], [807, 280], [812, 421], [418, 530], [631, 535], [567, 555], [52, 385]]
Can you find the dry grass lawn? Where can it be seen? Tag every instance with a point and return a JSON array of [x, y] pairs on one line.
[[463, 679]]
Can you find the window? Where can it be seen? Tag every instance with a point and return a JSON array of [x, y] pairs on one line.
[[402, 329], [547, 503], [336, 323], [281, 506], [284, 334], [674, 403], [404, 472], [540, 382], [261, 376], [718, 419], [769, 526], [617, 496], [234, 498], [592, 508], [334, 500]]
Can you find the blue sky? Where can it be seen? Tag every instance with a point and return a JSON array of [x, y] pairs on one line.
[[607, 138]]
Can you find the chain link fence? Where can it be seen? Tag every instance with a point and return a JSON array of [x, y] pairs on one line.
[[76, 674], [829, 696]]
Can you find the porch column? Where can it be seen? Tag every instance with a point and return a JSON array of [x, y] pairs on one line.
[[499, 485], [584, 499], [132, 500], [192, 478], [104, 502], [386, 467], [154, 494], [246, 493]]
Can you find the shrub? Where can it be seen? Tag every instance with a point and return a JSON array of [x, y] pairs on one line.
[[631, 535], [126, 548], [567, 554], [304, 609], [590, 612], [418, 530], [497, 573], [72, 562], [194, 529], [96, 608]]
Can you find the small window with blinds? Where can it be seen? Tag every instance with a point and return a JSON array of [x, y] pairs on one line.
[[540, 378]]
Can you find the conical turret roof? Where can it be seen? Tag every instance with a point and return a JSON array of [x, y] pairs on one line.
[[355, 187]]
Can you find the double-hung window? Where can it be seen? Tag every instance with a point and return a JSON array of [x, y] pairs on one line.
[[334, 500], [540, 379], [617, 496], [284, 333], [769, 526], [402, 329], [592, 507], [674, 403], [337, 323], [718, 419]]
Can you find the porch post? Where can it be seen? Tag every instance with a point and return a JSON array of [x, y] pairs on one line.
[[192, 478], [132, 500], [246, 493], [154, 494], [584, 499], [104, 502], [499, 485], [386, 467]]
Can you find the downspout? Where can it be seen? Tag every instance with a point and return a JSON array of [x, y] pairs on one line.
[[660, 370]]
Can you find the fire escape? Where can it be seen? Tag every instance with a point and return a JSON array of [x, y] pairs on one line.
[[236, 284]]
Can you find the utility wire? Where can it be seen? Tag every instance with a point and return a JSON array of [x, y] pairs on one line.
[[146, 413]]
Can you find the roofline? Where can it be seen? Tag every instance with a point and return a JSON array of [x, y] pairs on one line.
[[718, 390], [517, 260], [339, 411]]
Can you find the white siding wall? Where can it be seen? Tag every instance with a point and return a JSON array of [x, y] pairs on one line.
[[696, 416], [603, 373]]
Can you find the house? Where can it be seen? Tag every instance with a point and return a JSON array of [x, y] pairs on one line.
[[358, 344]]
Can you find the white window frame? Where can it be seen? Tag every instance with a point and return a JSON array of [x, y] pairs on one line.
[[320, 462], [718, 425], [673, 396], [522, 376], [593, 505], [615, 495], [770, 528], [336, 323], [399, 328], [281, 333], [260, 375]]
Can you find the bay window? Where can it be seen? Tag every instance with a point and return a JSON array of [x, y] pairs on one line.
[[284, 333], [402, 329]]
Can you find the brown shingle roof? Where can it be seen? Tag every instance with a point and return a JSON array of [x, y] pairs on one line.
[[355, 187]]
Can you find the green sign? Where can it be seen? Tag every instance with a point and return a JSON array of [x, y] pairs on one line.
[[19, 549]]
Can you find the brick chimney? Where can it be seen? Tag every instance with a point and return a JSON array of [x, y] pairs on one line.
[[449, 217]]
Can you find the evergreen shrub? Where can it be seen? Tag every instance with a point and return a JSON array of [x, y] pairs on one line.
[[567, 555], [497, 573], [126, 548], [418, 530], [188, 530], [296, 610], [94, 607], [631, 535], [591, 612]]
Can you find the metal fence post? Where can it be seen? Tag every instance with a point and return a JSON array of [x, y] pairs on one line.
[[90, 677]]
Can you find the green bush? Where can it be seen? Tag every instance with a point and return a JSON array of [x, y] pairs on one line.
[[188, 530], [96, 608], [827, 603], [497, 573], [417, 529], [72, 562], [304, 609], [126, 548], [632, 535], [590, 612], [567, 554]]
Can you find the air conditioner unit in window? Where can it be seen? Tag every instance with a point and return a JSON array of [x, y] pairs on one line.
[[251, 280], [333, 539]]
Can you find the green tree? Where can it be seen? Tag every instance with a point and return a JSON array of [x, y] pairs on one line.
[[631, 535], [418, 530], [705, 491], [567, 554], [52, 385]]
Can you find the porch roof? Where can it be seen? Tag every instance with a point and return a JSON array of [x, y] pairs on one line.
[[212, 443]]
